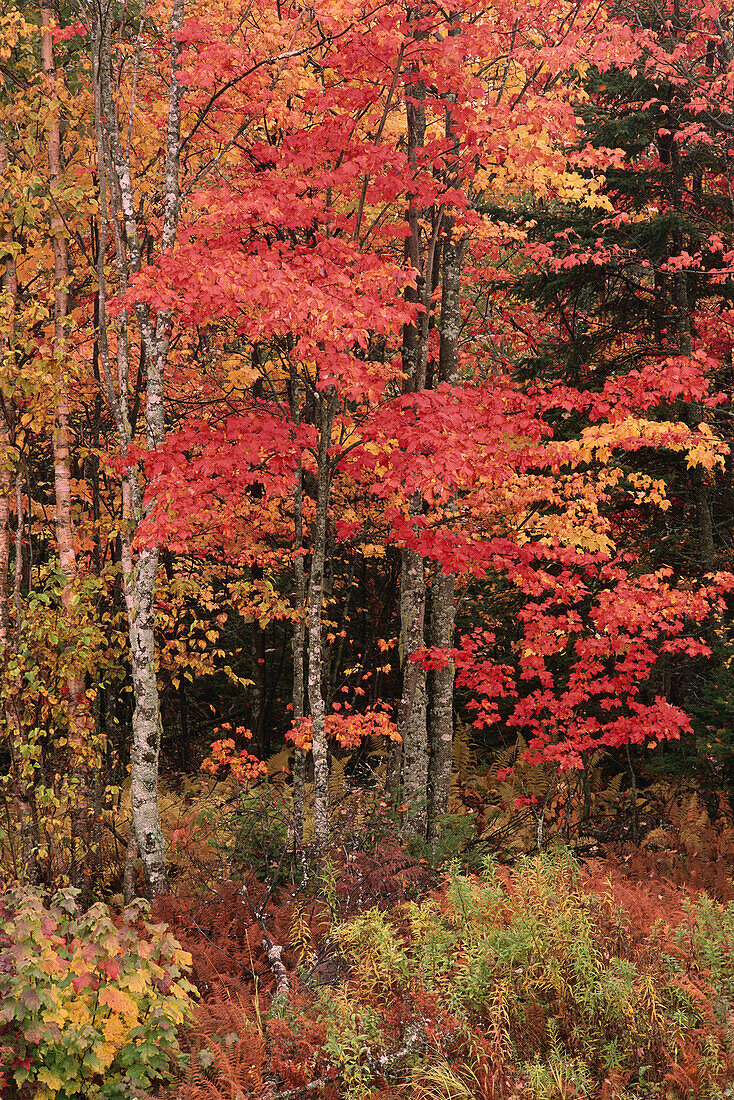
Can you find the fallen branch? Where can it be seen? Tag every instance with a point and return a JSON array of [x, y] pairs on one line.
[[274, 952]]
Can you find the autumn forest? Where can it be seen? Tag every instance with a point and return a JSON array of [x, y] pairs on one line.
[[367, 550]]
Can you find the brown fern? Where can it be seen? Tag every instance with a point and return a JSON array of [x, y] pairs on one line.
[[227, 1053]]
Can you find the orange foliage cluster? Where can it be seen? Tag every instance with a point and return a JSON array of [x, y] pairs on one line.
[[242, 766], [348, 730]]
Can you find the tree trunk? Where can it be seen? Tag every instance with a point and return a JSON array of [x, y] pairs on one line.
[[79, 713], [412, 711], [443, 592], [441, 686], [128, 874], [140, 581], [327, 409], [299, 630]]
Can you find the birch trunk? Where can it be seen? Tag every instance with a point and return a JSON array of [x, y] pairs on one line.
[[327, 409], [79, 713], [146, 714], [140, 580]]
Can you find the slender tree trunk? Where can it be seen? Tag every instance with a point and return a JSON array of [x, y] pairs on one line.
[[443, 591], [146, 726], [79, 714], [441, 687], [413, 702], [415, 334], [412, 713], [327, 409], [140, 581], [299, 629], [146, 717], [299, 642], [452, 254]]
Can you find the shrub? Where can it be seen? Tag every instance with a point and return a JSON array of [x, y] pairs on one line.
[[88, 1008]]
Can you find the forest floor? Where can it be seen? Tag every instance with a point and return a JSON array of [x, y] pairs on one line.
[[608, 973]]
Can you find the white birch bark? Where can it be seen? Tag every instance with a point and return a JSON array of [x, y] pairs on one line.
[[140, 578], [327, 410]]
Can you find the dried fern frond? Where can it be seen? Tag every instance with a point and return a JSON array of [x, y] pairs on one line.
[[464, 753]]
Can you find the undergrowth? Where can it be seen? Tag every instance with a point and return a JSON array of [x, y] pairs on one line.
[[548, 981], [602, 979]]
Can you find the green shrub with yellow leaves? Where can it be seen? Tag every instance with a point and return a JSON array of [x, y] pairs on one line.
[[89, 1007]]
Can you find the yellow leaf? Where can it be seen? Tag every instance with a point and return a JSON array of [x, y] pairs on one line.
[[136, 982], [240, 375], [50, 1079], [105, 1054], [118, 1001], [115, 1031]]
